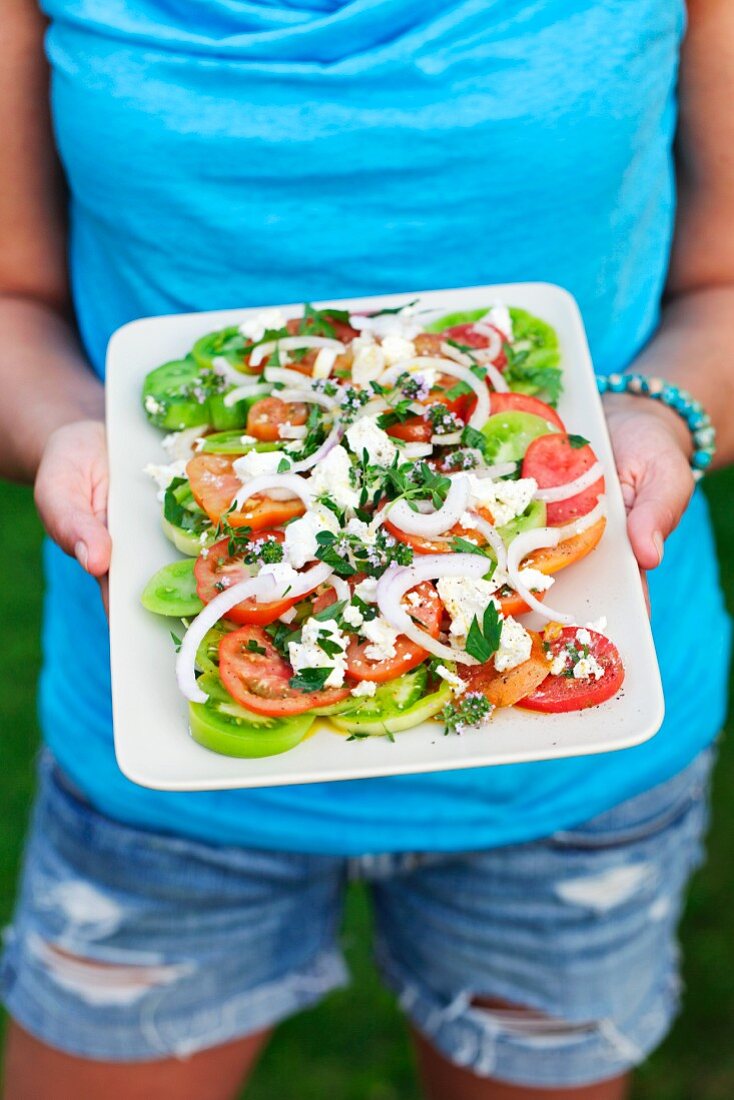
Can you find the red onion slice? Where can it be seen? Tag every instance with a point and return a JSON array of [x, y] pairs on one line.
[[522, 545], [436, 522], [293, 343], [205, 620], [290, 481], [571, 488], [399, 579]]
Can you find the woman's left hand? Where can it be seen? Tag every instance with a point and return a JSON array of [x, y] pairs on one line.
[[652, 448]]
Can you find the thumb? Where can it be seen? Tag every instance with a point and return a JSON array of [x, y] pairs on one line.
[[656, 500]]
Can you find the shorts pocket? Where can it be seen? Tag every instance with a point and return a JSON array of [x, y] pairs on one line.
[[646, 814]]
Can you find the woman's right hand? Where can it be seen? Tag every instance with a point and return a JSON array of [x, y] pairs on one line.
[[71, 495]]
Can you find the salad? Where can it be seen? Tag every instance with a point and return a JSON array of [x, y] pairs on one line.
[[368, 505]]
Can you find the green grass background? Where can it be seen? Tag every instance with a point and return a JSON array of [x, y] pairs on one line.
[[354, 1046]]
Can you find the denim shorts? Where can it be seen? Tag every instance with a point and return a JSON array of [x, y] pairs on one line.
[[128, 945]]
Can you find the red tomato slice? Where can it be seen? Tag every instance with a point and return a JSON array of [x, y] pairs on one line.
[[217, 568], [501, 402], [407, 653], [551, 460], [266, 416], [257, 678], [470, 338], [418, 429], [504, 689], [215, 484], [558, 694]]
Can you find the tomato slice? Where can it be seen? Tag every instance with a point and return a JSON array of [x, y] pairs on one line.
[[257, 677], [470, 338], [558, 694], [504, 689], [214, 485], [267, 415], [551, 559], [522, 402], [552, 460], [407, 653], [217, 568]]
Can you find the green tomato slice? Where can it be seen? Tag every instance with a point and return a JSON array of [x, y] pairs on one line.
[[172, 591], [510, 433], [167, 399], [536, 337], [227, 417], [533, 516], [246, 734], [395, 707], [227, 342], [462, 317], [186, 542], [207, 658]]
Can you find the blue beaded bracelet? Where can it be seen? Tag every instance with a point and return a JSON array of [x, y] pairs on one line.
[[696, 418]]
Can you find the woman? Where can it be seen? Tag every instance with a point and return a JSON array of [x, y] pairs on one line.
[[241, 153]]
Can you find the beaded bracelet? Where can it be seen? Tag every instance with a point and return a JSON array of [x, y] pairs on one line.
[[681, 401]]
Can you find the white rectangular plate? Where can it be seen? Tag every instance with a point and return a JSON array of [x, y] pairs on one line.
[[151, 734]]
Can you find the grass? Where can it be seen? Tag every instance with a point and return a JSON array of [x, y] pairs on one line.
[[354, 1046]]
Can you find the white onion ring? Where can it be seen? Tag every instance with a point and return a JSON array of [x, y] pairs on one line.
[[496, 377], [222, 367], [495, 340], [293, 343], [583, 523], [458, 356], [202, 624], [308, 397], [493, 537], [341, 588], [571, 488], [448, 440], [522, 545], [292, 431], [252, 389], [498, 470], [290, 481], [306, 582], [399, 579], [329, 443], [436, 522], [445, 366]]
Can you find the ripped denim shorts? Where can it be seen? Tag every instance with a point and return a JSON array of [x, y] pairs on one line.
[[130, 945]]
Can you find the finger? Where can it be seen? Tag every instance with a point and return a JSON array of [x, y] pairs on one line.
[[72, 524], [659, 501]]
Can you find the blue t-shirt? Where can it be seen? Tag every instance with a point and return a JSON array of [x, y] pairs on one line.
[[249, 152]]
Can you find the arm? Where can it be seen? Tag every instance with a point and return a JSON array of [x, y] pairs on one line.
[[693, 346], [51, 428]]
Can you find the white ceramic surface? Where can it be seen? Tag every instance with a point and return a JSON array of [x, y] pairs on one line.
[[152, 742]]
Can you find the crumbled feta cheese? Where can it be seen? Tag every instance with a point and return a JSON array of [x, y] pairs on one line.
[[504, 499], [382, 637], [586, 667], [152, 405], [182, 444], [331, 478], [324, 363], [534, 579], [353, 616], [364, 689], [515, 645], [248, 440], [256, 463], [559, 663], [366, 590], [396, 349], [583, 637], [300, 544], [164, 475], [413, 599], [308, 653], [599, 625], [286, 430], [454, 681], [463, 598], [283, 573], [365, 532], [499, 317], [387, 324], [254, 328], [366, 435], [368, 363]]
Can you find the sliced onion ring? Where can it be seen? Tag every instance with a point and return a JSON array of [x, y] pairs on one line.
[[252, 389], [205, 620], [436, 522], [290, 481], [306, 583], [293, 343], [522, 545], [285, 377], [571, 488], [399, 579], [329, 443], [493, 537], [495, 340], [222, 367], [308, 397]]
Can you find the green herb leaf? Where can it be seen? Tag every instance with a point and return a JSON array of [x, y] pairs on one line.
[[577, 441], [482, 641], [310, 679], [253, 647]]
